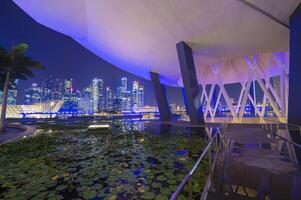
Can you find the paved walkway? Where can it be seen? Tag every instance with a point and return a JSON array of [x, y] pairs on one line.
[[15, 131], [253, 169]]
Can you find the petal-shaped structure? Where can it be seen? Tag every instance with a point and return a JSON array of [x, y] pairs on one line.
[[141, 35]]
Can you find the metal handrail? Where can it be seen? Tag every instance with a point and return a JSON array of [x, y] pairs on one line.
[[291, 151], [278, 122], [282, 138], [291, 142], [175, 195]]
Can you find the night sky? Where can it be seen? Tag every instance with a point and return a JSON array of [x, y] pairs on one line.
[[62, 56]]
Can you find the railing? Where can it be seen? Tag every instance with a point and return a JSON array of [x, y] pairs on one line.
[[208, 148], [273, 129]]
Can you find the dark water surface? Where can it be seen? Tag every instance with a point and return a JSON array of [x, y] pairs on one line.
[[131, 160]]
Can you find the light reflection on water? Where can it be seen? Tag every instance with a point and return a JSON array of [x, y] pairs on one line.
[[132, 160]]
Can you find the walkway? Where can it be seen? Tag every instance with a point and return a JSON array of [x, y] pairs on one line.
[[15, 131], [252, 169]]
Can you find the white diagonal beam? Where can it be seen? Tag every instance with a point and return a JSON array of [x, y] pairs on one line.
[[217, 102], [215, 70], [240, 96], [266, 92], [269, 84], [208, 106], [252, 67], [255, 106]]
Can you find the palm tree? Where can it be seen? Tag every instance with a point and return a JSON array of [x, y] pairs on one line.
[[14, 65]]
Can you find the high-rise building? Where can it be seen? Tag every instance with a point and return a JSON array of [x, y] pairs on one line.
[[140, 96], [95, 95], [109, 99], [98, 95], [135, 85], [71, 99], [126, 101], [33, 94], [68, 85], [134, 96], [117, 105], [85, 102], [119, 93], [52, 89], [124, 84], [124, 95]]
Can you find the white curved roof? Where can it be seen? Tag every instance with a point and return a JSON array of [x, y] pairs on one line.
[[141, 35]]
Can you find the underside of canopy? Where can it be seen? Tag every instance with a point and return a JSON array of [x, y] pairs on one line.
[[140, 36]]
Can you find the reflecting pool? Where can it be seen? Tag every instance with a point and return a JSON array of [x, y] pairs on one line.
[[131, 160]]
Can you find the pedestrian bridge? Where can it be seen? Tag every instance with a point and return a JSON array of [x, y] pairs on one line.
[[250, 161]]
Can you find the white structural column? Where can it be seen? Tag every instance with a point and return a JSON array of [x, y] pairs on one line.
[[252, 67]]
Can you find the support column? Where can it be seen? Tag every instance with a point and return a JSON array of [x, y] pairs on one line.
[[184, 99], [160, 93], [191, 87], [294, 108]]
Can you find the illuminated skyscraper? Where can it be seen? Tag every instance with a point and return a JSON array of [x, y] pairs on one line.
[[85, 102], [119, 93], [71, 99], [117, 105], [109, 99], [134, 96], [124, 95], [52, 89], [126, 101], [68, 84], [140, 96], [135, 85], [33, 94], [124, 84], [101, 102], [95, 95], [98, 95]]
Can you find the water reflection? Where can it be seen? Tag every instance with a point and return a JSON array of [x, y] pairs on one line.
[[67, 161]]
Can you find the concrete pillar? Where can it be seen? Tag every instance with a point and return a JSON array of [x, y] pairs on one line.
[[294, 105], [160, 93], [294, 108], [184, 98], [191, 87]]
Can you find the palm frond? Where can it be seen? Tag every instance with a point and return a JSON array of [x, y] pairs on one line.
[[17, 63], [25, 71], [29, 62], [19, 76]]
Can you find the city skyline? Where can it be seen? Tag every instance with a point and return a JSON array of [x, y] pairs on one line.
[[98, 96]]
